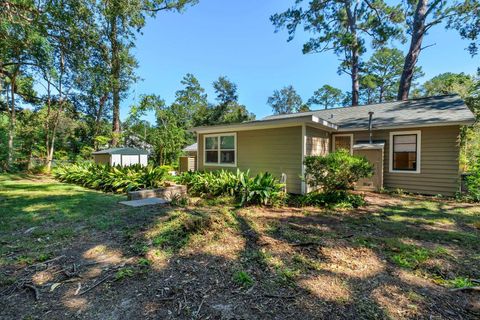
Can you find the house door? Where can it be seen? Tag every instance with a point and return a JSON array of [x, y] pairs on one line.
[[375, 156]]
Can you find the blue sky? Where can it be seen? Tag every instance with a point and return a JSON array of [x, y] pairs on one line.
[[236, 39]]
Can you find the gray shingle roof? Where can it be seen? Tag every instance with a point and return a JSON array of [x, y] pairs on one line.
[[423, 111], [126, 151]]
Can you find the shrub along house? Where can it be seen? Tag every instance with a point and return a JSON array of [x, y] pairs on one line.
[[413, 144]]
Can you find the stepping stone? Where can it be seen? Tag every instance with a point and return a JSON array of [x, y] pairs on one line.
[[144, 202]]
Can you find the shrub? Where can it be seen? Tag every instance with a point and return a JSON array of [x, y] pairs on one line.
[[333, 199], [334, 175], [473, 183], [337, 171], [263, 189], [111, 179]]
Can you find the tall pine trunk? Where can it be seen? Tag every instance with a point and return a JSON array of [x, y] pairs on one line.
[[355, 58], [12, 123], [414, 51], [355, 78], [115, 78]]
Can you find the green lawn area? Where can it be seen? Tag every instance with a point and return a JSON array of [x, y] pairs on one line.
[[88, 256]]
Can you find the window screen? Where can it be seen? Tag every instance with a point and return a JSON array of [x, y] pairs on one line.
[[405, 152], [343, 142]]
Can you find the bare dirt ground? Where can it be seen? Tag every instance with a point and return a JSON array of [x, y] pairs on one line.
[[397, 258]]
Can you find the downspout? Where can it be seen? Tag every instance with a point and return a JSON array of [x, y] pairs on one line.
[[370, 116]]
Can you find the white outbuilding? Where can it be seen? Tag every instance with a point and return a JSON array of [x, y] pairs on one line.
[[121, 156]]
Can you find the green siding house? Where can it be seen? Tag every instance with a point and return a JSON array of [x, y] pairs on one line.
[[413, 144]]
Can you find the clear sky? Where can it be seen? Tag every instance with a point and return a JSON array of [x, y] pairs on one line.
[[236, 39]]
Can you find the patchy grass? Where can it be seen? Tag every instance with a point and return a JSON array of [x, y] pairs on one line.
[[243, 279], [393, 259]]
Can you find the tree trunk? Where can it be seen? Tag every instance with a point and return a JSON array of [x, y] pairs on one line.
[[355, 58], [12, 124], [413, 53], [115, 81], [51, 150], [47, 121], [355, 78]]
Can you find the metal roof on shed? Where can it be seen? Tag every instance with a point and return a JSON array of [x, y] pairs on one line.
[[123, 151]]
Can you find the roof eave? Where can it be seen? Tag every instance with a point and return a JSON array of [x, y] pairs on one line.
[[268, 124]]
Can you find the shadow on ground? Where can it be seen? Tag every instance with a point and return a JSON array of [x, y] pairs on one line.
[[218, 262]]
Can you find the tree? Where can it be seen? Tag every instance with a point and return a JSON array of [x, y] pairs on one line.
[[23, 44], [120, 20], [448, 83], [228, 109], [467, 22], [343, 27], [327, 97], [380, 76], [167, 137], [421, 16], [191, 102], [285, 101]]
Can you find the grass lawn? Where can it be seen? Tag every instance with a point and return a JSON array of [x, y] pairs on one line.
[[66, 251]]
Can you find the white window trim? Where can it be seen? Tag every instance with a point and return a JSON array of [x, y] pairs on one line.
[[343, 135], [218, 164], [419, 149]]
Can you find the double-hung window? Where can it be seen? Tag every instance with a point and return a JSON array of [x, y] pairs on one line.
[[405, 151], [220, 150]]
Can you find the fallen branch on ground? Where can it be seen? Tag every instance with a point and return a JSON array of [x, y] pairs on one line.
[[306, 244], [95, 285], [35, 290], [267, 295], [466, 289]]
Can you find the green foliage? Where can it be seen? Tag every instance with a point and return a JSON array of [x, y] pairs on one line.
[[286, 101], [342, 27], [327, 97], [337, 171], [263, 189], [243, 279], [123, 273], [380, 75], [111, 179], [449, 83], [473, 182], [409, 256], [332, 176], [228, 109], [459, 282], [332, 199]]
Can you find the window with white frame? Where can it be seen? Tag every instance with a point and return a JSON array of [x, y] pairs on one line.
[[405, 151], [220, 149]]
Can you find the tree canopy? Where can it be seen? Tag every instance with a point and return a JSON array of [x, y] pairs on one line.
[[286, 100]]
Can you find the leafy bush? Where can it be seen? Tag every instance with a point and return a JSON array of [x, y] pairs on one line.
[[264, 188], [337, 171], [473, 183], [333, 176], [332, 199], [111, 179]]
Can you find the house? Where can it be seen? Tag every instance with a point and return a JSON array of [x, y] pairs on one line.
[[413, 144], [121, 156]]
